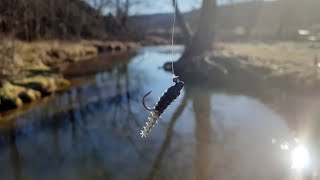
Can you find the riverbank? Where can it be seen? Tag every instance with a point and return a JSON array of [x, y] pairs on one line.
[[258, 65], [30, 71]]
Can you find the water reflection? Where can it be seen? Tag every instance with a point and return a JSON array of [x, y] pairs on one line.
[[202, 110], [92, 131], [15, 160], [300, 158], [167, 140]]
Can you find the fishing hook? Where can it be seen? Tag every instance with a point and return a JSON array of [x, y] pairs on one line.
[[144, 103]]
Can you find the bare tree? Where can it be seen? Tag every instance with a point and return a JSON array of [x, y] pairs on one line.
[[204, 36], [201, 41], [123, 9], [100, 5], [35, 19]]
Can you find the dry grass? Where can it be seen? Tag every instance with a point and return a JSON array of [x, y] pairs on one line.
[[38, 55], [13, 95], [47, 84], [298, 53], [27, 69], [281, 59], [29, 89]]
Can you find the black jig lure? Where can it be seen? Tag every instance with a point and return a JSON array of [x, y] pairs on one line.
[[167, 98]]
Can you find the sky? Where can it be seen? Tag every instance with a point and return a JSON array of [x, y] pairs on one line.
[[165, 6]]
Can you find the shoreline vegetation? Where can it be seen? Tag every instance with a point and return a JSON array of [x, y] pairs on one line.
[[33, 70]]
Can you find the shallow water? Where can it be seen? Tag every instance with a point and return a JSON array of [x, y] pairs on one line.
[[92, 130]]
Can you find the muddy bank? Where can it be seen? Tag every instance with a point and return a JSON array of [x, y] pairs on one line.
[[30, 71]]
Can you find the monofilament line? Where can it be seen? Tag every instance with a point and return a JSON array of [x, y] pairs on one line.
[[172, 37]]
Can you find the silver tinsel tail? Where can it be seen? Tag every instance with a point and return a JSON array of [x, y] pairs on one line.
[[150, 123]]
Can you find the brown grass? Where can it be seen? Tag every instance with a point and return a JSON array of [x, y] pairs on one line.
[[39, 55], [281, 59]]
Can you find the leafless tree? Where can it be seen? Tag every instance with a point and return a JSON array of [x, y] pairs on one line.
[[201, 41], [124, 9], [35, 19], [204, 36], [100, 5]]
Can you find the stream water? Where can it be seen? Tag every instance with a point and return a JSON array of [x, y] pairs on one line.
[[92, 130]]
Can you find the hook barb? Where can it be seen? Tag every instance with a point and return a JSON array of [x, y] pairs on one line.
[[144, 103]]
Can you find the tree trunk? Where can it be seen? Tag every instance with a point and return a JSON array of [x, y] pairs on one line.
[[117, 9], [203, 38], [126, 13], [200, 43]]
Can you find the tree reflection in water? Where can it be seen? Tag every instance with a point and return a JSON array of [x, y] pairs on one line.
[[15, 159], [167, 140], [203, 134], [202, 112]]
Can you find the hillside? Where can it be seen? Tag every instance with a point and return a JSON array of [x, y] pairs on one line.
[[43, 19], [259, 20]]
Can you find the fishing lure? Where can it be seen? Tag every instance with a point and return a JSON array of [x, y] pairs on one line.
[[166, 99]]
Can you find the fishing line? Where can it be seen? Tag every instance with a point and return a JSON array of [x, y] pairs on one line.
[[172, 35]]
